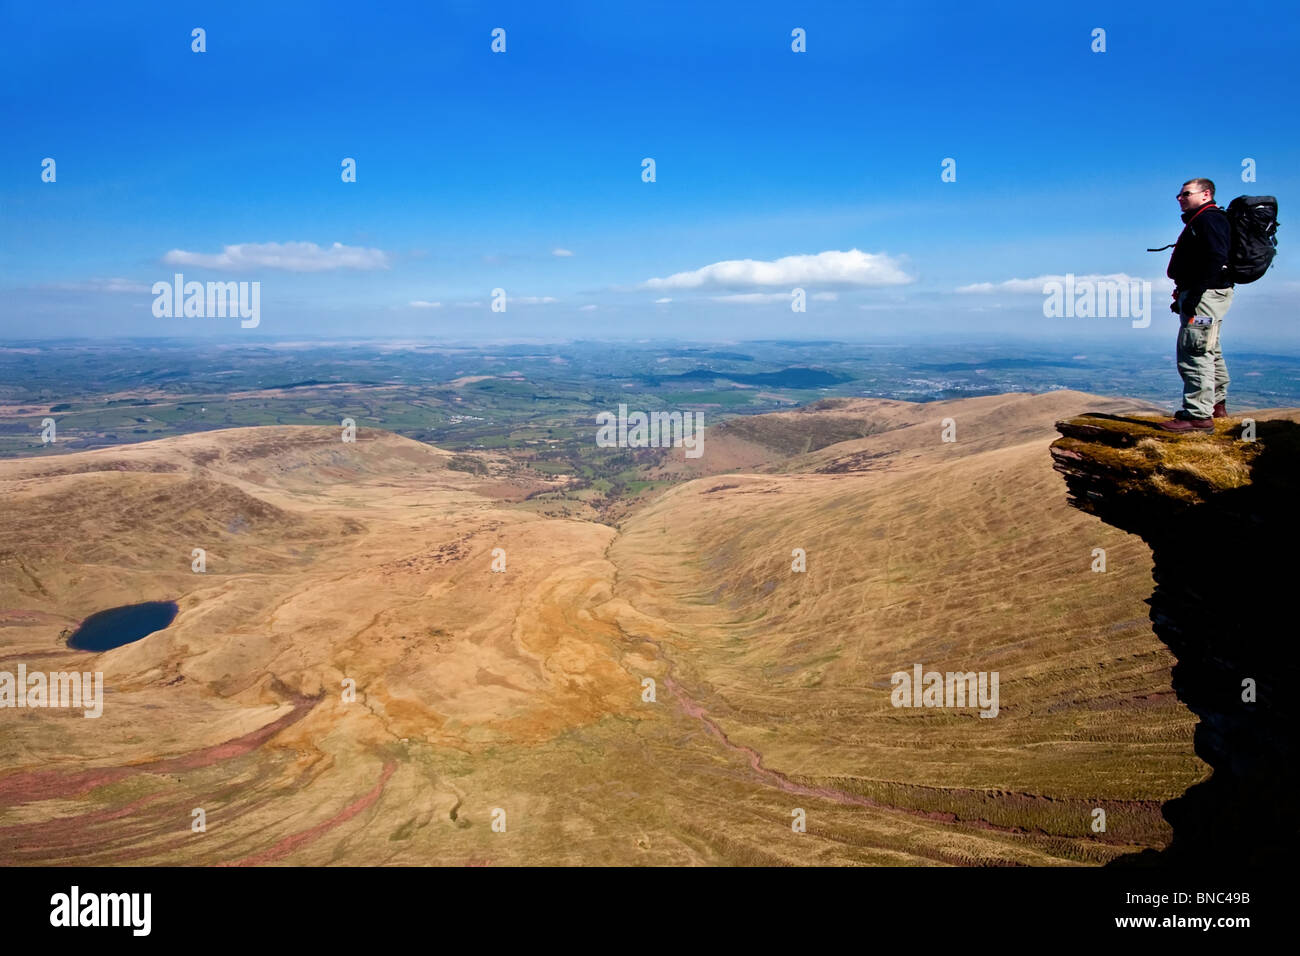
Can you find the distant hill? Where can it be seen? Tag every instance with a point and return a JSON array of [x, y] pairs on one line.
[[786, 378]]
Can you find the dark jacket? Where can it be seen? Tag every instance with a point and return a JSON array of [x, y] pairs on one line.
[[1201, 254]]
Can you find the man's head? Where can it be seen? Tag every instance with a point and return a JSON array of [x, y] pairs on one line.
[[1195, 194]]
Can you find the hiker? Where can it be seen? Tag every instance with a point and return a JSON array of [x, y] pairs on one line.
[[1203, 292]]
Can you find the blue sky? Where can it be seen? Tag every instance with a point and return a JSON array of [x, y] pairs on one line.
[[522, 170]]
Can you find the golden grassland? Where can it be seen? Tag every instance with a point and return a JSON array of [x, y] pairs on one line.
[[522, 690]]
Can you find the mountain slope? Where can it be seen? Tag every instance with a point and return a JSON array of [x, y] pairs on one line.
[[525, 691]]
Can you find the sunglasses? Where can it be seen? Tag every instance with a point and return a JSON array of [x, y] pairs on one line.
[[1185, 194]]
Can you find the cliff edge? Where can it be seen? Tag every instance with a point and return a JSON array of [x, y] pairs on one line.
[[1221, 515]]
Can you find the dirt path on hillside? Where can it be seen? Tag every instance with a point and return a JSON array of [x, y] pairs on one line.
[[775, 778]]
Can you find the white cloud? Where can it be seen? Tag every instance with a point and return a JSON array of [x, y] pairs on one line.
[[752, 298], [1035, 285], [834, 267], [561, 252], [664, 301], [532, 299], [290, 256], [421, 304], [587, 308]]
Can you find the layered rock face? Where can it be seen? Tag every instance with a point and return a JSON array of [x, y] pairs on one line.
[[1220, 513]]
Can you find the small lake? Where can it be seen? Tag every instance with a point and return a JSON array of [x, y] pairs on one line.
[[106, 630]]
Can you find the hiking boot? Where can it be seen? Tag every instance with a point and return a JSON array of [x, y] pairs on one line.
[[1221, 409], [1188, 424]]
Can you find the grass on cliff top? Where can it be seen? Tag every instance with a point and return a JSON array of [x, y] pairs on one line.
[[1186, 466]]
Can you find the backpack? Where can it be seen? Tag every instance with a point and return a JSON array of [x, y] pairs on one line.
[[1254, 237]]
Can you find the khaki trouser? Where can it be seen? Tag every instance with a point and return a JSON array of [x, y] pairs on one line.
[[1200, 360]]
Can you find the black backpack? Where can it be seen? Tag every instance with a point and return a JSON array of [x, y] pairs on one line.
[[1253, 220], [1254, 237]]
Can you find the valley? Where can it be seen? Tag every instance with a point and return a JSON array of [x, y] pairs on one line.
[[475, 692]]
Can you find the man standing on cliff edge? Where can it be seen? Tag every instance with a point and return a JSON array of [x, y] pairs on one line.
[[1202, 295]]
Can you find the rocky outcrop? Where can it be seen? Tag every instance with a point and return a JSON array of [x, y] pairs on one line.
[[1220, 513]]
